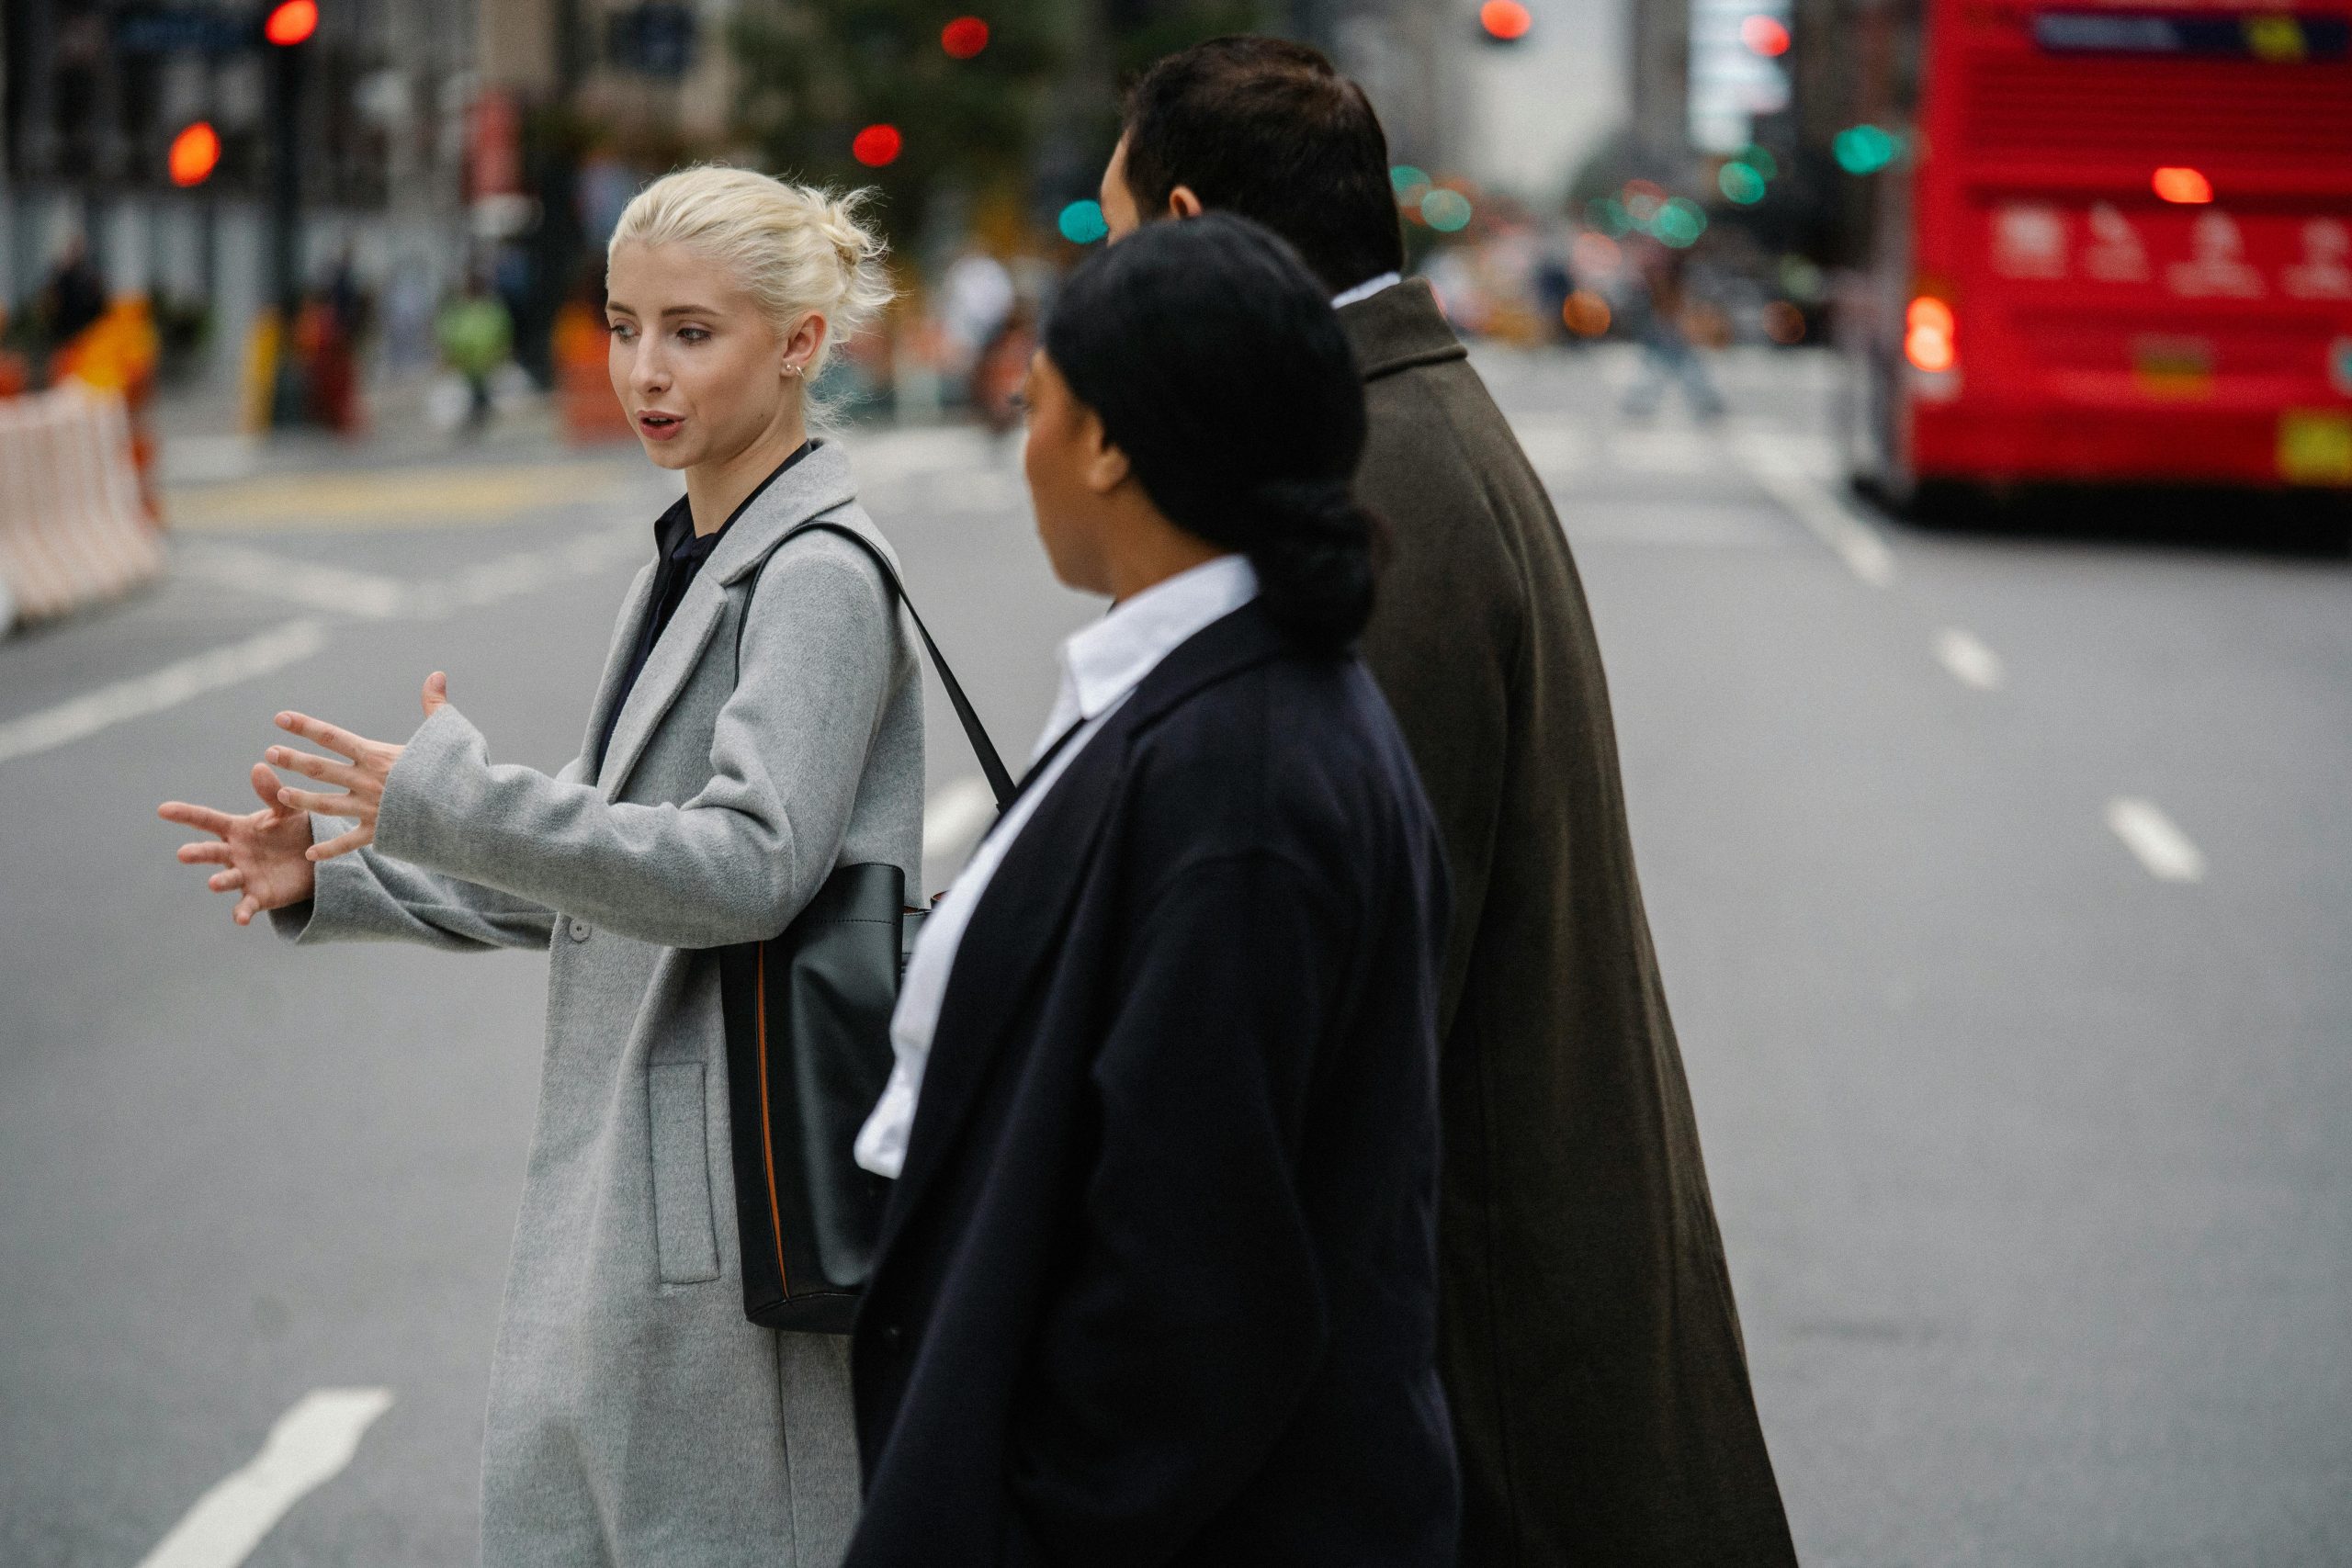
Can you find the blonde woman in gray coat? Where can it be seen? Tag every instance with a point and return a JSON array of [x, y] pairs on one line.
[[637, 1420]]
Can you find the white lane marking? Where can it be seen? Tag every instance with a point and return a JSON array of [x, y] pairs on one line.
[[1662, 451], [1555, 447], [1831, 518], [370, 596], [1969, 660], [2151, 835], [1696, 525], [158, 689], [955, 817], [310, 1445], [335, 589]]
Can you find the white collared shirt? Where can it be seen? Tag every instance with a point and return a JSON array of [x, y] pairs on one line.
[[1101, 666], [1366, 290]]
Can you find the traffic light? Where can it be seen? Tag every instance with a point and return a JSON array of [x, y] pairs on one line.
[[1505, 21], [291, 22], [964, 38], [195, 152]]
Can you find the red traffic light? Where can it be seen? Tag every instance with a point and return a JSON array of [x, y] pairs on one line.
[[195, 152], [964, 38], [290, 22], [876, 145], [1506, 20], [1767, 35]]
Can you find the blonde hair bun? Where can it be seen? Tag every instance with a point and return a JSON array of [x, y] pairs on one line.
[[798, 248]]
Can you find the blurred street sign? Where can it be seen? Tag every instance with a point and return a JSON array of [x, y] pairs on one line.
[[654, 39], [158, 31]]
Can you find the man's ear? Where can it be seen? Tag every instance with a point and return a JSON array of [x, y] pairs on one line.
[[1182, 203], [1107, 467]]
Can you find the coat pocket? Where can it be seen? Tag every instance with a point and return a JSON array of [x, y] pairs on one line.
[[683, 1235]]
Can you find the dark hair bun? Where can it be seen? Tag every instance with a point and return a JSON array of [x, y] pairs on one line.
[[1216, 363], [1315, 558]]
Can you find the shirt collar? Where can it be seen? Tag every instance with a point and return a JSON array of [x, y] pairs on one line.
[[673, 531], [1366, 290], [1106, 660]]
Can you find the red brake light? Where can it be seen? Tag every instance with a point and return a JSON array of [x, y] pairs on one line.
[[2184, 186], [1929, 330]]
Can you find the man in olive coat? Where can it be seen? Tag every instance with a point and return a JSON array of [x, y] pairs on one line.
[[1589, 1342]]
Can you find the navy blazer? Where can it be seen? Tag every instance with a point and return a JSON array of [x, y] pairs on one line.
[[1158, 1284]]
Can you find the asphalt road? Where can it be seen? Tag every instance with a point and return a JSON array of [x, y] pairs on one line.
[[2001, 883]]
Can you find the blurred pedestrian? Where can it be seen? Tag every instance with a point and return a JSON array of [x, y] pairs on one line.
[[1661, 319], [1599, 1386], [1158, 1275], [73, 296], [759, 723], [476, 337]]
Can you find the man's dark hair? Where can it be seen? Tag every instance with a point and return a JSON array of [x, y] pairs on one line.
[[1147, 334], [1268, 129]]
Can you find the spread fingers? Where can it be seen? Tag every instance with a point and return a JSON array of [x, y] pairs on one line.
[[313, 766], [327, 805]]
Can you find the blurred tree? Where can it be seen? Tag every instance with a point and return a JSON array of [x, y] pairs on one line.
[[1140, 32], [816, 73]]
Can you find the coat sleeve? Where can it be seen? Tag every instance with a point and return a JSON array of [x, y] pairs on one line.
[[1178, 1346], [739, 860], [368, 896]]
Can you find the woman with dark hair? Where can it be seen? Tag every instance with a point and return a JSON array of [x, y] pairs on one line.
[[1158, 1281]]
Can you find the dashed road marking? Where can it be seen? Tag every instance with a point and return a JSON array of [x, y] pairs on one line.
[[175, 683], [2152, 836], [1969, 660], [1833, 520], [310, 1445]]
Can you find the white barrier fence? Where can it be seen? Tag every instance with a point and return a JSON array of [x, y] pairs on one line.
[[72, 531]]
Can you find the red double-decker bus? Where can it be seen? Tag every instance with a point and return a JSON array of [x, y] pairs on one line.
[[2116, 249]]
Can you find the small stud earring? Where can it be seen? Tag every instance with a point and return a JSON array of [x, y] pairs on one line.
[[792, 369]]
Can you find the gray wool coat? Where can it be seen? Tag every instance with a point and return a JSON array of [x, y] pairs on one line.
[[637, 1420]]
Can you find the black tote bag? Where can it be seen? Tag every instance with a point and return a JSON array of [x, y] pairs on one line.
[[808, 1054]]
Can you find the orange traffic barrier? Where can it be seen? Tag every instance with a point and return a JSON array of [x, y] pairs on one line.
[[73, 529], [584, 380]]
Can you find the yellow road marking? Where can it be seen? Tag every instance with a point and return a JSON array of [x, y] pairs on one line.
[[392, 498]]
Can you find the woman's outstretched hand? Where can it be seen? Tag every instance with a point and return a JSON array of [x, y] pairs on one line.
[[362, 777], [260, 854]]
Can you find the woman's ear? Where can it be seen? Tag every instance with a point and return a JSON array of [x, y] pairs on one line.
[[803, 343]]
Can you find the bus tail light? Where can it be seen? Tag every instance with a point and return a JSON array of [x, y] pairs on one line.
[[1928, 334]]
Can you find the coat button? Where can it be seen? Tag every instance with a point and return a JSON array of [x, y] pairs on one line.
[[579, 930]]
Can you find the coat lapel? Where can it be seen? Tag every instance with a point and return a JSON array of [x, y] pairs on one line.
[[666, 671], [819, 483], [634, 609], [1025, 910]]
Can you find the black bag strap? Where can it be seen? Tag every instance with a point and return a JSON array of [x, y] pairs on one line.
[[992, 765]]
